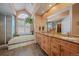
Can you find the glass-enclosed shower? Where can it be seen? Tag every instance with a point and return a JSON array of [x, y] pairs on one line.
[[7, 25]]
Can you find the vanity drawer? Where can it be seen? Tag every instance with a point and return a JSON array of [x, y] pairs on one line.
[[74, 47], [70, 45]]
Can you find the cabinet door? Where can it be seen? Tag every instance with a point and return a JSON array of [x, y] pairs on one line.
[[55, 47], [65, 51], [47, 45], [43, 42], [40, 39], [36, 37], [55, 52], [68, 48]]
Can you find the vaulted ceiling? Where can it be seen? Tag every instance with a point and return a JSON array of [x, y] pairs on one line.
[[44, 7], [6, 9], [30, 8]]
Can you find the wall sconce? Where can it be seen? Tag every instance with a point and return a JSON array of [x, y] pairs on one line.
[[39, 28], [42, 28]]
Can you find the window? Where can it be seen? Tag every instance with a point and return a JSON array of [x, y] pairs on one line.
[[23, 16]]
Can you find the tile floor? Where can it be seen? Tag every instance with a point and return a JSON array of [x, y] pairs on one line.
[[30, 50]]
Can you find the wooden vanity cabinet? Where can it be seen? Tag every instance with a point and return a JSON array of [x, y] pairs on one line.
[[68, 52], [69, 48], [57, 47], [61, 47], [38, 38], [45, 44]]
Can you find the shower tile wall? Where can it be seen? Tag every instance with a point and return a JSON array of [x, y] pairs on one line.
[[5, 28]]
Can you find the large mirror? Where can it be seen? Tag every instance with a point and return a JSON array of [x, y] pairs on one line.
[[60, 23], [51, 26]]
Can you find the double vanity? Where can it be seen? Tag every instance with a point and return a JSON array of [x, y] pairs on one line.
[[58, 33], [58, 45]]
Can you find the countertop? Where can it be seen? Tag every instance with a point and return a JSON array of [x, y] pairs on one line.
[[67, 38]]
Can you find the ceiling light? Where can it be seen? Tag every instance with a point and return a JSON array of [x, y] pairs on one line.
[[50, 5]]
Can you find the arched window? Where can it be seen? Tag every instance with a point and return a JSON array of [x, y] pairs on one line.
[[22, 16], [23, 28]]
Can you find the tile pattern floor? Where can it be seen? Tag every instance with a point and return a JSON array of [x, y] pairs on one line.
[[30, 50]]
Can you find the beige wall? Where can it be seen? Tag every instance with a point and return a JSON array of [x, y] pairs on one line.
[[75, 19], [40, 22]]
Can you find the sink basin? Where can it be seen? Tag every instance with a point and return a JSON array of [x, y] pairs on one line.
[[70, 38]]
